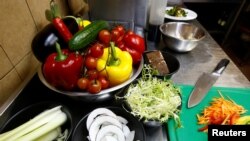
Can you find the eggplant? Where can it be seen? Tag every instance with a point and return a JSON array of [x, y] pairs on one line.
[[43, 42]]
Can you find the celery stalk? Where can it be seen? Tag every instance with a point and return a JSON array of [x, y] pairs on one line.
[[54, 123], [52, 135], [32, 124]]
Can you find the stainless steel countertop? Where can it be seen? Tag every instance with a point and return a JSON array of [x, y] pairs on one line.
[[204, 58]]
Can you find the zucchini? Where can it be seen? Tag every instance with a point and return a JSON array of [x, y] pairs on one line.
[[84, 37]]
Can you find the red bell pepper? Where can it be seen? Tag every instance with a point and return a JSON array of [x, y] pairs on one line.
[[134, 44], [136, 55], [58, 22], [63, 69]]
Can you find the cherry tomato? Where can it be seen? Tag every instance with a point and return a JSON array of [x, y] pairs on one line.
[[90, 62], [104, 36], [115, 36], [136, 42], [121, 29], [104, 82], [94, 86], [96, 50], [82, 83], [92, 74], [121, 45], [128, 32]]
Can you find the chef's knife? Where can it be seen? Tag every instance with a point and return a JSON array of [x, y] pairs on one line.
[[205, 82]]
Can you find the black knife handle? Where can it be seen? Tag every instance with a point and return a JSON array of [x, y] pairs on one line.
[[221, 66]]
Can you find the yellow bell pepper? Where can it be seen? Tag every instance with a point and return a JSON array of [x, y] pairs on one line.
[[115, 64]]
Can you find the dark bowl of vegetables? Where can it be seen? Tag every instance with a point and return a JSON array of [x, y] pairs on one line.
[[164, 63], [153, 100], [109, 123], [41, 121]]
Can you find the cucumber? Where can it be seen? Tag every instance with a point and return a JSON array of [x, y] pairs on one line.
[[84, 37]]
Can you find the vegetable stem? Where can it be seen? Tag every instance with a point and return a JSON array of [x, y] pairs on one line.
[[114, 60], [60, 56]]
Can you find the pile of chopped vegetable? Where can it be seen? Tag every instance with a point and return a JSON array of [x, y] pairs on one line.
[[153, 98], [177, 11], [221, 111]]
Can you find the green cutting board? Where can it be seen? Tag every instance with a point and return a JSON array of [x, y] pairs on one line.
[[189, 131]]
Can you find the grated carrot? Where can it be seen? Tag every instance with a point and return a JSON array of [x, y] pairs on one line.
[[221, 111]]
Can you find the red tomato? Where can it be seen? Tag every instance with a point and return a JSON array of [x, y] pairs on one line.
[[104, 36], [96, 50], [94, 86], [115, 36], [121, 45], [129, 32], [90, 62], [104, 82], [92, 74], [82, 83], [121, 29], [135, 41]]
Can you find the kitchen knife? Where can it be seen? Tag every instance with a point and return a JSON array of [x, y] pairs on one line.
[[205, 82]]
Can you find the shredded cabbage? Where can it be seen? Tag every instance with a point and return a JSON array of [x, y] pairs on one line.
[[153, 98]]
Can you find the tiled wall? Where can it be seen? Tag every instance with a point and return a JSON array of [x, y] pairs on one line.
[[20, 20]]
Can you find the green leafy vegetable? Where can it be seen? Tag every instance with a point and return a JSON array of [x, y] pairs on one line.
[[176, 11], [153, 98]]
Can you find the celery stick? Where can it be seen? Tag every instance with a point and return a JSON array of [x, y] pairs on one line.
[[52, 135], [54, 123], [30, 125], [36, 125]]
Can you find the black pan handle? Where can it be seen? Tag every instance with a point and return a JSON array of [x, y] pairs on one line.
[[221, 66]]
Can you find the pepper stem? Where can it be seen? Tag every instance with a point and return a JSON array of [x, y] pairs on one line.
[[60, 56], [114, 60], [54, 9]]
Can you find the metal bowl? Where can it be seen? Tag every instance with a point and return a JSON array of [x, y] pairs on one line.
[[181, 36], [104, 95]]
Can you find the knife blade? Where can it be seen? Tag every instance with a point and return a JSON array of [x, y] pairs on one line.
[[205, 82]]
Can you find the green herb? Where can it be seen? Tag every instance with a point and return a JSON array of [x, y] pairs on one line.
[[176, 11]]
